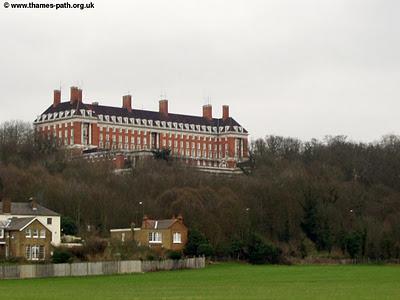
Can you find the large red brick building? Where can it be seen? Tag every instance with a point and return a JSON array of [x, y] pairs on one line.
[[204, 141]]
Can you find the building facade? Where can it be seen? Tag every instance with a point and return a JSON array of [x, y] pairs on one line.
[[168, 234], [202, 141], [27, 238], [15, 210]]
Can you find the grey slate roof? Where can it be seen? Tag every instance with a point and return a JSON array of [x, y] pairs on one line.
[[161, 224], [19, 223], [25, 209], [141, 114]]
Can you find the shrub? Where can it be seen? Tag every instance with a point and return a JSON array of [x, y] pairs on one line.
[[68, 226], [61, 256], [175, 255], [260, 252], [195, 239], [205, 249], [354, 244], [96, 246]]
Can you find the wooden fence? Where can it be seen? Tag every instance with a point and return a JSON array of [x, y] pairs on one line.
[[97, 268]]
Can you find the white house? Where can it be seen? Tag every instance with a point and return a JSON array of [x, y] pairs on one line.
[[47, 217]]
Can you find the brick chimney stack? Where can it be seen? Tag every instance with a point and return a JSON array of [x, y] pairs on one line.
[[57, 98], [180, 219], [127, 102], [75, 94], [6, 206], [225, 112], [80, 95], [207, 112], [34, 204], [163, 105]]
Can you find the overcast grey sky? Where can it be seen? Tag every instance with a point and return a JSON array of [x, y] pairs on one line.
[[301, 68]]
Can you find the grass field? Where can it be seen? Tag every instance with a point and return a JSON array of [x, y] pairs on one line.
[[223, 281]]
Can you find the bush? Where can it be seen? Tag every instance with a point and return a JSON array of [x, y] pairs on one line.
[[61, 256], [96, 246], [68, 226], [175, 255], [354, 244], [195, 239], [261, 253], [205, 249]]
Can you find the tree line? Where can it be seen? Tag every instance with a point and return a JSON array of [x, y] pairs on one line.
[[332, 197]]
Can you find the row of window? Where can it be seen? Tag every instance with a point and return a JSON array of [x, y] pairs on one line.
[[164, 135], [34, 252], [156, 237], [35, 233]]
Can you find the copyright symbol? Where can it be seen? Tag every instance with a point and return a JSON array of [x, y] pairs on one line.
[[6, 4]]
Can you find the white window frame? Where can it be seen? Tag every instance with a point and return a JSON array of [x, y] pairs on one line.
[[177, 238], [35, 233], [1, 233], [42, 233], [155, 237], [28, 233], [35, 252]]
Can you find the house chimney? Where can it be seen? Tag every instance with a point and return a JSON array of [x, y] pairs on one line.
[[127, 102], [80, 95], [6, 206], [57, 98], [207, 112], [164, 107], [33, 203], [75, 94], [225, 112], [180, 219]]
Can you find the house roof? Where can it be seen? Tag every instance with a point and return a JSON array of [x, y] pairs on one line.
[[141, 114], [25, 208], [158, 224], [19, 223]]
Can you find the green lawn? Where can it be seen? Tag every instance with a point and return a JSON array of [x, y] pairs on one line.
[[223, 281]]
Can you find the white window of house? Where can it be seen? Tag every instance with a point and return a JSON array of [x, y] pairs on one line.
[[35, 233], [35, 252], [155, 237], [42, 234], [28, 252], [177, 238], [1, 233], [28, 233], [123, 237]]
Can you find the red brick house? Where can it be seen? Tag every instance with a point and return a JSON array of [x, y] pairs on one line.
[[214, 144]]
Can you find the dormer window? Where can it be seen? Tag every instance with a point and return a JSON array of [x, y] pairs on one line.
[[28, 233]]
